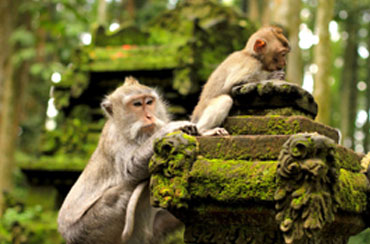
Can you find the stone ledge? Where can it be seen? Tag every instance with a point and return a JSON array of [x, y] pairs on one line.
[[263, 147], [276, 125], [211, 224], [242, 182], [244, 147]]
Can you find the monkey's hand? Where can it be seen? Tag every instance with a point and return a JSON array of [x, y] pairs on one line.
[[277, 75], [184, 126]]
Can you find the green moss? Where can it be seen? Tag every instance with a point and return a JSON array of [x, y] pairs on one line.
[[233, 180], [283, 126], [353, 188], [260, 147], [348, 159], [276, 125], [169, 192], [174, 155]]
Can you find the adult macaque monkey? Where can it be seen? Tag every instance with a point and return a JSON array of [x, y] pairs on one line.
[[263, 58], [100, 208]]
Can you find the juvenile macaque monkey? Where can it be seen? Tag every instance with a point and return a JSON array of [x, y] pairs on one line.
[[263, 58], [109, 203]]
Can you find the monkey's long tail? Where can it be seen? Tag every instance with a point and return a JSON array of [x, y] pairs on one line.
[[130, 213]]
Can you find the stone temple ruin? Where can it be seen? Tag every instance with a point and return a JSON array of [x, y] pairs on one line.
[[280, 177]]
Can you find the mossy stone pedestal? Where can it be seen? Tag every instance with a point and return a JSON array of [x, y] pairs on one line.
[[279, 177]]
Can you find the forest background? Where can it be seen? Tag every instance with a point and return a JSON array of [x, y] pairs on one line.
[[330, 57]]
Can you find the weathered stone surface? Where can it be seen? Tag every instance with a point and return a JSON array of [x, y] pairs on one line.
[[170, 166], [220, 225], [272, 94], [311, 188], [267, 182], [348, 159], [307, 184], [256, 147], [231, 201], [253, 223], [264, 147], [179, 175], [276, 125], [233, 181]]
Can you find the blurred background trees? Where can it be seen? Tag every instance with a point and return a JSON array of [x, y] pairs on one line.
[[330, 58]]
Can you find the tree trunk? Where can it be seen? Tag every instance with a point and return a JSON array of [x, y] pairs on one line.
[[322, 58], [244, 6], [366, 128], [8, 102], [349, 82], [287, 14], [130, 7], [253, 11], [266, 12], [102, 13]]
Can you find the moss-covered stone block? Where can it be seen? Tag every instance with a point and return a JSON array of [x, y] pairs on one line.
[[174, 155], [229, 181], [276, 95], [276, 125], [353, 190], [348, 159], [246, 147], [228, 198]]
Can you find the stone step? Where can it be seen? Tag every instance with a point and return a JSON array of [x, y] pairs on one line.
[[277, 125], [241, 180], [263, 147]]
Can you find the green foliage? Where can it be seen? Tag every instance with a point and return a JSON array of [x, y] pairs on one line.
[[31, 225], [362, 238], [45, 39]]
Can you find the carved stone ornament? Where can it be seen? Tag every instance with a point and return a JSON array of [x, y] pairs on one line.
[[307, 181], [174, 155]]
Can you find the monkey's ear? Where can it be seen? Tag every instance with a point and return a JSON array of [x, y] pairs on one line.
[[107, 107], [259, 45], [129, 81]]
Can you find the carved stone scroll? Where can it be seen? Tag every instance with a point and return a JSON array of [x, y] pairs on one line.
[[307, 181], [174, 155]]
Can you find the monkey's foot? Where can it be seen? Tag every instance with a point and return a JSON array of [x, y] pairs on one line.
[[218, 131]]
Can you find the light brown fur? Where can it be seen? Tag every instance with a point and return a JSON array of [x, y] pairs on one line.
[[262, 58], [95, 209]]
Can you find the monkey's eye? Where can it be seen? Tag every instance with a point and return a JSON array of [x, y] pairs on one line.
[[137, 104], [149, 101], [276, 60]]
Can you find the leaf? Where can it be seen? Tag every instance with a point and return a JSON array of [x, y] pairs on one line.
[[23, 37]]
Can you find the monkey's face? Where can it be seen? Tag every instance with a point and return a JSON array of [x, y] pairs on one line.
[[275, 60], [137, 111], [144, 117], [270, 46]]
